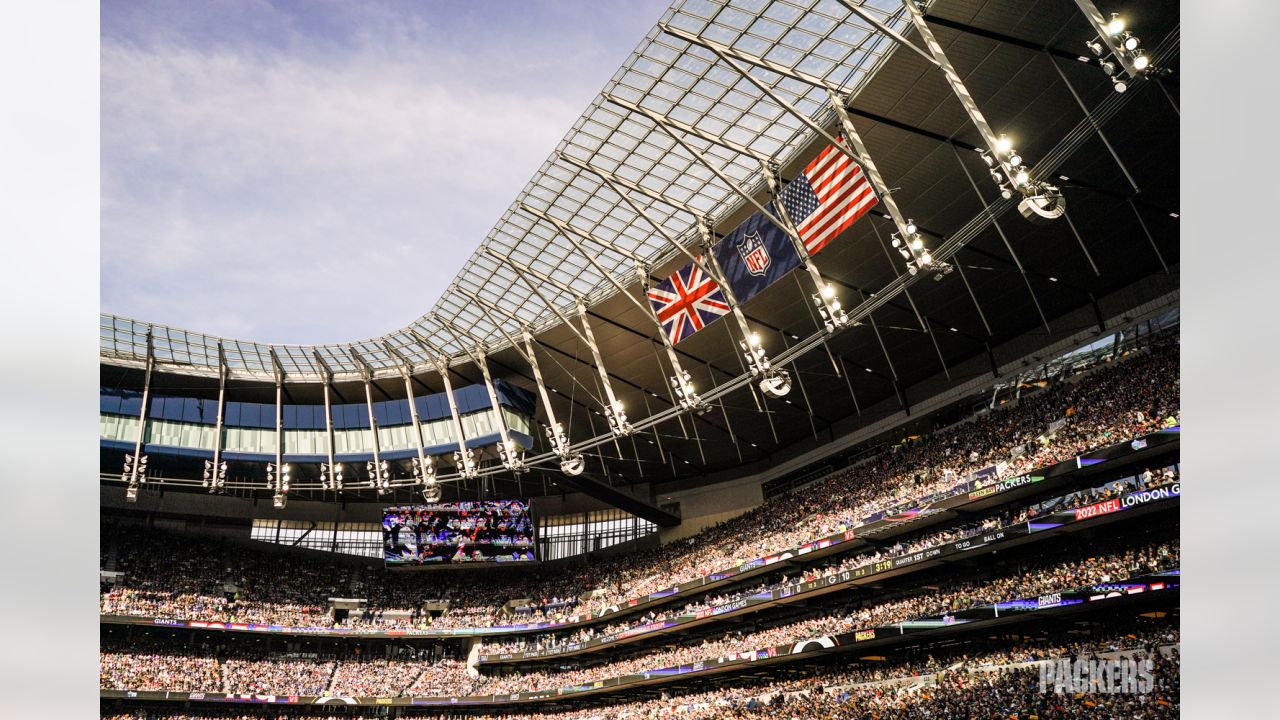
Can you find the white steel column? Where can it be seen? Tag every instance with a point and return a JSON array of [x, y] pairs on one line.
[[681, 381]]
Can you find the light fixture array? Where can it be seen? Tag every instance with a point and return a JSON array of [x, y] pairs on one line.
[[1127, 48]]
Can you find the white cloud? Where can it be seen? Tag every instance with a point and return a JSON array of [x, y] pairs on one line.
[[310, 196]]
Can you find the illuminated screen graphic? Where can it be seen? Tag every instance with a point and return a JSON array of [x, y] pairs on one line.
[[457, 532]]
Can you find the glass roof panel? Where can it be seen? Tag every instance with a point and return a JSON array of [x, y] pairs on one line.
[[664, 75]]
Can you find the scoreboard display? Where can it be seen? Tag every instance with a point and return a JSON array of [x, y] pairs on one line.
[[458, 532]]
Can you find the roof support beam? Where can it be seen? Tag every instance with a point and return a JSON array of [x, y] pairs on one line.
[[999, 231], [1097, 127], [775, 379], [330, 474], [613, 409], [857, 154], [999, 37], [511, 460], [689, 129], [379, 472], [999, 154], [681, 381], [769, 169], [425, 471], [571, 463], [216, 472], [464, 459], [135, 472], [281, 487]]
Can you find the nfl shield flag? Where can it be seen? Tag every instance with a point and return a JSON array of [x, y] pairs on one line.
[[686, 302], [755, 255]]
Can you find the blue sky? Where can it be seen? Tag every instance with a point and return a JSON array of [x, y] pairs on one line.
[[319, 171]]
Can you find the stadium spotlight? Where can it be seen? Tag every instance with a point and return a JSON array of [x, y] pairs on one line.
[[829, 309], [684, 390], [1004, 145], [379, 475], [911, 227], [571, 463], [776, 384], [331, 478], [135, 472], [424, 470], [1126, 47], [465, 461], [617, 416], [215, 477], [512, 457]]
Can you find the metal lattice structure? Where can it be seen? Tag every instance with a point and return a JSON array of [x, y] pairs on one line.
[[665, 75]]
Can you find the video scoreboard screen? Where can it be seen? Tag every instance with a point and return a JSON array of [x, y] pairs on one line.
[[458, 532]]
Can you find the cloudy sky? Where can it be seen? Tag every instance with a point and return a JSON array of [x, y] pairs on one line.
[[318, 171]]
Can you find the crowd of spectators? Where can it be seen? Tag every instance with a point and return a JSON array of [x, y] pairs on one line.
[[986, 680], [276, 675], [1032, 581], [184, 672], [1148, 479], [315, 676], [1127, 398]]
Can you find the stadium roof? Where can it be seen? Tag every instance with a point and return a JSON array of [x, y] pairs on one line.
[[665, 75]]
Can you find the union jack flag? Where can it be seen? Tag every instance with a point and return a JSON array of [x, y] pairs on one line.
[[827, 197], [686, 302]]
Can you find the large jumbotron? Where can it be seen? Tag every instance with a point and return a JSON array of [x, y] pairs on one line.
[[828, 366]]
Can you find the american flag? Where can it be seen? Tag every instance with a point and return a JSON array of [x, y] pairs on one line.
[[686, 302], [827, 198]]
